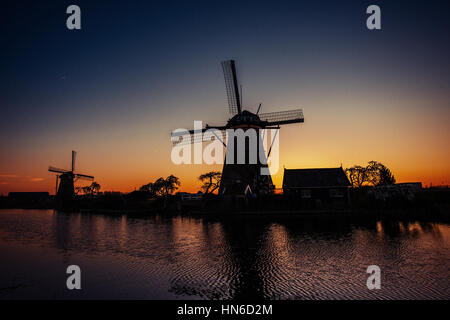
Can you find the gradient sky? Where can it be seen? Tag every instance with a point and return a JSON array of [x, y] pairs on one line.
[[114, 90]]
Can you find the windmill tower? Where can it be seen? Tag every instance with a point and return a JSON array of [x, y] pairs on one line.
[[240, 177], [66, 178]]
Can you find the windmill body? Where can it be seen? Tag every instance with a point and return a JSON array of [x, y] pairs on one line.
[[66, 189], [241, 178], [238, 178]]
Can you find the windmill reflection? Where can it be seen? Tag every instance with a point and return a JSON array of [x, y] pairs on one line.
[[235, 247]]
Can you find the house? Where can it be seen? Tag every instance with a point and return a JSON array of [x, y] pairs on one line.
[[407, 190], [190, 196], [414, 187], [320, 184]]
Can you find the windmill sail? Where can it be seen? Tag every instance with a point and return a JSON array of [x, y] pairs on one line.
[[57, 170], [84, 177], [229, 72], [74, 156], [192, 136], [282, 117]]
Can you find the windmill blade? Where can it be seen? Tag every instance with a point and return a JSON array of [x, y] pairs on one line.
[[282, 117], [57, 170], [191, 137], [83, 177], [179, 133], [74, 155], [259, 108], [231, 85], [183, 137]]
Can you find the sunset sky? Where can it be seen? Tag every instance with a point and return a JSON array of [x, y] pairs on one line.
[[115, 89]]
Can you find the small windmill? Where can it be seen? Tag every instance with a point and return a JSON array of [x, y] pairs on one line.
[[67, 178], [238, 178]]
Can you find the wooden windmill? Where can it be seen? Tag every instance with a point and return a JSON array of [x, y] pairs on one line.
[[238, 178], [66, 179]]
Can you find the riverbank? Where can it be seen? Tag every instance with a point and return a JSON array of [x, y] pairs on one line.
[[428, 204]]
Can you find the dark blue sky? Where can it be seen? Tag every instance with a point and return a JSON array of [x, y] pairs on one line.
[[158, 63], [130, 45]]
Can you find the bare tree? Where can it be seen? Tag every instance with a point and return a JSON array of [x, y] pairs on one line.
[[211, 181], [87, 190], [357, 176]]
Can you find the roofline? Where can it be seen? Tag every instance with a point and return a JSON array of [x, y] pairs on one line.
[[313, 169], [346, 186]]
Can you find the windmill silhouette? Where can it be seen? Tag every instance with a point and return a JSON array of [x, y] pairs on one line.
[[238, 178], [66, 189]]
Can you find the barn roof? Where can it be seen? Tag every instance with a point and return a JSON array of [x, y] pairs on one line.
[[315, 178]]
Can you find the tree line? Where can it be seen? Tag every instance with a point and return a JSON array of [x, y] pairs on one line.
[[165, 187], [374, 174]]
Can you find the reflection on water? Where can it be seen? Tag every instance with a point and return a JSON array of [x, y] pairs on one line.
[[193, 258]]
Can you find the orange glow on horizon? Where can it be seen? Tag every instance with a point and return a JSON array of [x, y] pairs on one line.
[[413, 145]]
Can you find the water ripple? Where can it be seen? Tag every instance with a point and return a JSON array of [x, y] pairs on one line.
[[178, 257]]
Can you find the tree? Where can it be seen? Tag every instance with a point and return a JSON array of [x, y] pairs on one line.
[[386, 176], [379, 174], [170, 184], [158, 186], [86, 189], [162, 187], [211, 181], [95, 187], [149, 187], [372, 173], [375, 174], [357, 176]]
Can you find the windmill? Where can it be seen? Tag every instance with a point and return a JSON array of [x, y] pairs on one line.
[[239, 178], [66, 191]]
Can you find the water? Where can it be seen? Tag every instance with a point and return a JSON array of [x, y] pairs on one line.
[[193, 258]]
